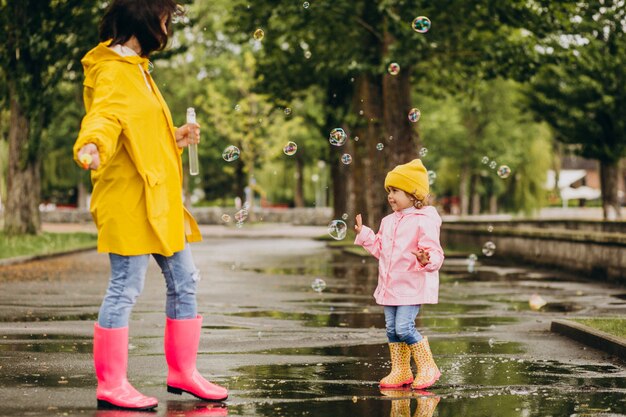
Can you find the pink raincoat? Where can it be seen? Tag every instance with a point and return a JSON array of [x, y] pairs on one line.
[[401, 279]]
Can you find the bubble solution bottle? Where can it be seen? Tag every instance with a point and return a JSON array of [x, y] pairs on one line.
[[193, 147]]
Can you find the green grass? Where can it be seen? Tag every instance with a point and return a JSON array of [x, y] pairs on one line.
[[613, 326], [44, 243]]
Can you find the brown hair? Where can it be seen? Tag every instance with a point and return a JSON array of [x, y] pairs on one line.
[[418, 203], [124, 19]]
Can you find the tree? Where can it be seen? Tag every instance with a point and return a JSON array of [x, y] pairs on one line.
[[43, 41], [583, 97], [345, 48], [469, 136]]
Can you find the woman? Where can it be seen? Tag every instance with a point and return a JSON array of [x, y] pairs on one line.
[[129, 142]]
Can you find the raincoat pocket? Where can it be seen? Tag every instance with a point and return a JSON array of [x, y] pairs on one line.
[[157, 201], [406, 283]]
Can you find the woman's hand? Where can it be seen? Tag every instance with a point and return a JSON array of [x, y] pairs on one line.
[[359, 224], [89, 156], [422, 256], [187, 134]]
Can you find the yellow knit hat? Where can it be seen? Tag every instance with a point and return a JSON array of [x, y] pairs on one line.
[[411, 177]]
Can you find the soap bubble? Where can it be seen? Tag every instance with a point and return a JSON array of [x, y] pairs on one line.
[[237, 107], [504, 171], [241, 215], [471, 263], [421, 24], [380, 146], [344, 216], [287, 111], [346, 158], [393, 68], [259, 34], [493, 164], [489, 248], [432, 176], [150, 67], [231, 153], [306, 4], [490, 228], [290, 148], [414, 115], [225, 218], [485, 160], [536, 302], [318, 285], [337, 229], [338, 137], [307, 54], [423, 152]]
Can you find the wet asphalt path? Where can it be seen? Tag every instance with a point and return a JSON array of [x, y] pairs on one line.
[[284, 350]]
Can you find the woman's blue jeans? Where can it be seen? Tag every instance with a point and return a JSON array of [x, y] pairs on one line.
[[128, 274], [400, 324]]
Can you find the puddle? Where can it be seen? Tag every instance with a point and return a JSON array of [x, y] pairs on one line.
[[80, 347], [41, 317], [49, 343], [374, 318], [45, 378]]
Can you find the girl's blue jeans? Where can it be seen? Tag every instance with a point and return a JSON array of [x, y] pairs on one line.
[[128, 274], [400, 324]]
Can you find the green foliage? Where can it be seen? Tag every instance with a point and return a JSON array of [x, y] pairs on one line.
[[583, 97], [465, 134], [44, 243], [43, 41]]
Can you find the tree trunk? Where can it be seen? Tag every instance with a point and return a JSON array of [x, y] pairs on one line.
[[23, 177], [609, 179], [374, 170], [493, 204], [464, 190], [400, 136], [475, 195], [298, 195], [81, 198]]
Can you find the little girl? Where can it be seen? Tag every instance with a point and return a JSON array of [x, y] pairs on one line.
[[409, 257]]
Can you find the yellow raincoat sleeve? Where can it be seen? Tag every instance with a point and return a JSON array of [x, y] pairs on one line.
[[101, 125]]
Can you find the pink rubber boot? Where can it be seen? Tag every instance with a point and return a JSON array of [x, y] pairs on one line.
[[110, 357], [182, 338]]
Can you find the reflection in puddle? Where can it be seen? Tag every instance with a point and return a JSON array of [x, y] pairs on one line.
[[373, 318]]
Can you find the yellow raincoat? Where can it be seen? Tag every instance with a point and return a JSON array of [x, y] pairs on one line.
[[137, 190]]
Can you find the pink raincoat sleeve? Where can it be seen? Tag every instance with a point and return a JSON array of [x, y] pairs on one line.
[[428, 240], [370, 241]]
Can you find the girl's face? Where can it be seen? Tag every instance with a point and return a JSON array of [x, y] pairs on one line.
[[398, 199]]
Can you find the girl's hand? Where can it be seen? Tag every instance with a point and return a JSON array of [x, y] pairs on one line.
[[89, 157], [187, 134], [359, 224], [422, 256]]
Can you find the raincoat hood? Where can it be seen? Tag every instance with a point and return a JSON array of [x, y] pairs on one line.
[[431, 213], [428, 211], [101, 54]]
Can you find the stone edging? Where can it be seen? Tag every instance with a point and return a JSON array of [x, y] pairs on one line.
[[592, 337]]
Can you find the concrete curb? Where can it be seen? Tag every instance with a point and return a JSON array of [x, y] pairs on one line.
[[589, 336]]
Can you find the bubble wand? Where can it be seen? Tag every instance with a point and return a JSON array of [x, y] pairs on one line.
[[193, 147]]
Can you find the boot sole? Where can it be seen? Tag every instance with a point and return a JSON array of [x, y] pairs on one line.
[[179, 391], [418, 387], [105, 405], [400, 385]]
